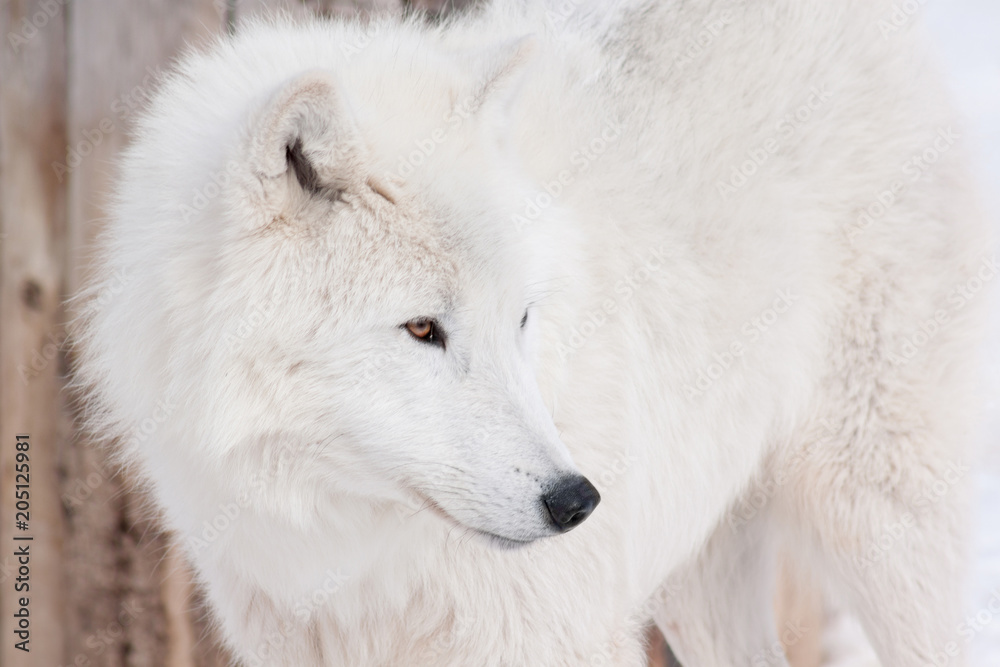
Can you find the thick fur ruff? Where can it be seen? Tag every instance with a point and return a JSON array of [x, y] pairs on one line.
[[717, 257]]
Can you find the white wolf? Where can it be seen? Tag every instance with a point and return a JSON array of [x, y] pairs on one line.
[[408, 287]]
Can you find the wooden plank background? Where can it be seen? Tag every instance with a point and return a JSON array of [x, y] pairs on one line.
[[105, 588]]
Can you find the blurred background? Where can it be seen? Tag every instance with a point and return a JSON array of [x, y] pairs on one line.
[[105, 587], [966, 34]]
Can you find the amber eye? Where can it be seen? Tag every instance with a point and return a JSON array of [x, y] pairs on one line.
[[426, 331], [420, 328]]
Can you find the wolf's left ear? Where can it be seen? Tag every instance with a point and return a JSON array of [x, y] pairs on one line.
[[502, 70], [306, 139]]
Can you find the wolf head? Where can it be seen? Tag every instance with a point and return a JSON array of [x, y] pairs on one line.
[[358, 295]]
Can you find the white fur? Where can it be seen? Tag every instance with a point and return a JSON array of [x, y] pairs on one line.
[[693, 352]]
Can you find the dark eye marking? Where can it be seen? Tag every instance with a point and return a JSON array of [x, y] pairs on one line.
[[524, 320], [426, 331]]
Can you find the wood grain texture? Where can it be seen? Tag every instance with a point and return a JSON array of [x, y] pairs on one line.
[[118, 613], [32, 270]]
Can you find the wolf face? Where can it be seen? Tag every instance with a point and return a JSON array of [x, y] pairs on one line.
[[402, 314]]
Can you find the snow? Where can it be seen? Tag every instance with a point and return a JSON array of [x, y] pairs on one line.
[[967, 33]]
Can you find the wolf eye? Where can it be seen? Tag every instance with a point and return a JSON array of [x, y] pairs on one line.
[[426, 331], [524, 320]]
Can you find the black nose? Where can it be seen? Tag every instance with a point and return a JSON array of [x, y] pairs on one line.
[[570, 501]]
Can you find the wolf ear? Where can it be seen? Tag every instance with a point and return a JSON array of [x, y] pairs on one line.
[[502, 69], [305, 139]]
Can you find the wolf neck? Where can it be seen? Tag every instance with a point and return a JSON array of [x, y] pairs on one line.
[[359, 571]]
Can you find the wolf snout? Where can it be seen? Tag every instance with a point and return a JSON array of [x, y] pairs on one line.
[[571, 500]]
